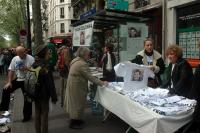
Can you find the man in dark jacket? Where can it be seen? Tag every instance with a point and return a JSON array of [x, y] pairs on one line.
[[108, 62]]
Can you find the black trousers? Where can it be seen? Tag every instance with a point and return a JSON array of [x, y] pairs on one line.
[[5, 101], [41, 116]]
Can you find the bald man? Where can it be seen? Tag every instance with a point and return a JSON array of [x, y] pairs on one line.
[[18, 67]]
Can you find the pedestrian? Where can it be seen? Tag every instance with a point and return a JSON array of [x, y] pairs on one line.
[[108, 61], [8, 56], [45, 91], [18, 66], [63, 63], [153, 59], [77, 88], [180, 75]]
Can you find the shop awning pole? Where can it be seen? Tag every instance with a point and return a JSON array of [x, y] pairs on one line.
[[118, 46]]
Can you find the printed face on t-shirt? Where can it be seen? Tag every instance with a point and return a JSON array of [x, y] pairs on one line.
[[19, 64], [137, 75]]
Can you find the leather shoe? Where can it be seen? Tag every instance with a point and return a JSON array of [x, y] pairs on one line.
[[76, 124]]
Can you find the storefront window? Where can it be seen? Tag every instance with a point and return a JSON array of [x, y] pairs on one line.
[[188, 30]]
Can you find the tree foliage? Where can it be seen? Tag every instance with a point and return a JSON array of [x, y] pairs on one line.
[[12, 18], [2, 42]]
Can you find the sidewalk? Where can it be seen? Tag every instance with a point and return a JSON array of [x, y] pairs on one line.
[[58, 121]]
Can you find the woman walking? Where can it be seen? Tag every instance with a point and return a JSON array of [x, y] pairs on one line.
[[45, 91]]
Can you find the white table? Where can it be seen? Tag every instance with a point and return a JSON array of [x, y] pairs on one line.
[[140, 118]]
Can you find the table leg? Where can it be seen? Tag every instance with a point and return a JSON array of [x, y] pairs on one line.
[[106, 114], [129, 128]]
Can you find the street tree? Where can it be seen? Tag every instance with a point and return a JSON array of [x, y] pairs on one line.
[[37, 22]]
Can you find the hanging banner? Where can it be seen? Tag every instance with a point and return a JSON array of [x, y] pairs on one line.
[[82, 35]]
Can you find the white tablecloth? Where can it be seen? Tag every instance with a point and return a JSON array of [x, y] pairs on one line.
[[140, 118]]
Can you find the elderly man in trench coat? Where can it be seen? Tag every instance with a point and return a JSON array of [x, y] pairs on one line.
[[77, 87]]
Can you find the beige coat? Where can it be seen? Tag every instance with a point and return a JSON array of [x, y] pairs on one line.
[[77, 88]]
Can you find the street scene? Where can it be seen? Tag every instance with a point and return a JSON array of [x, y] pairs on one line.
[[99, 66]]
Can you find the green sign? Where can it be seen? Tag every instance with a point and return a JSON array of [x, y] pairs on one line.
[[117, 5]]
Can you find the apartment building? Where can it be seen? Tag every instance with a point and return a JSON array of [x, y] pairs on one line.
[[153, 9], [60, 14]]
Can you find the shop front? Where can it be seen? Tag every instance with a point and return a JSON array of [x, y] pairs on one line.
[[183, 27], [61, 41], [188, 32]]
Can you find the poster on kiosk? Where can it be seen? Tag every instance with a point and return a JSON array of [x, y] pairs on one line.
[[82, 35]]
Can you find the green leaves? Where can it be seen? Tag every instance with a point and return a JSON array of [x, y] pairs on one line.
[[12, 17]]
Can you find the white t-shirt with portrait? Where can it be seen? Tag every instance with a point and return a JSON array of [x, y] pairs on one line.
[[135, 76], [17, 63]]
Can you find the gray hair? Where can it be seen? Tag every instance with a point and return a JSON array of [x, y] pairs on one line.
[[82, 51]]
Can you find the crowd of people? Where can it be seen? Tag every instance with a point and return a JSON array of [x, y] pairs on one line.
[[74, 71], [6, 56]]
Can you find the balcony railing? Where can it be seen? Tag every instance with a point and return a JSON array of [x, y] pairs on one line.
[[62, 16], [62, 31], [141, 3]]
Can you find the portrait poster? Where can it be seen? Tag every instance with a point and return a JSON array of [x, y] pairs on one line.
[[82, 35], [134, 32]]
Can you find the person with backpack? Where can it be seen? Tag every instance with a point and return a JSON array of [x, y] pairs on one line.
[[45, 90], [18, 66], [63, 63]]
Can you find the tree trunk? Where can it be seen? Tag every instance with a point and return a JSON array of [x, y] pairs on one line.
[[37, 22]]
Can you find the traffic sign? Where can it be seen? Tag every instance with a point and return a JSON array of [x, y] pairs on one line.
[[22, 32]]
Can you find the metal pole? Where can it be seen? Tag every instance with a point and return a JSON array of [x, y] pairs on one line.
[[118, 46], [163, 28], [28, 27]]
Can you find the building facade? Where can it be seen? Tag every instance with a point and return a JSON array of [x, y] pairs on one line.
[[153, 27], [154, 9], [60, 14], [81, 6], [183, 27]]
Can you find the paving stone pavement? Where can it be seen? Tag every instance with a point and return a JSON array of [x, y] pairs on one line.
[[58, 121]]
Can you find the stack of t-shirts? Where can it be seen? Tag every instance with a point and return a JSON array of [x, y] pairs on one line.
[[97, 72], [161, 102], [116, 86], [157, 99]]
